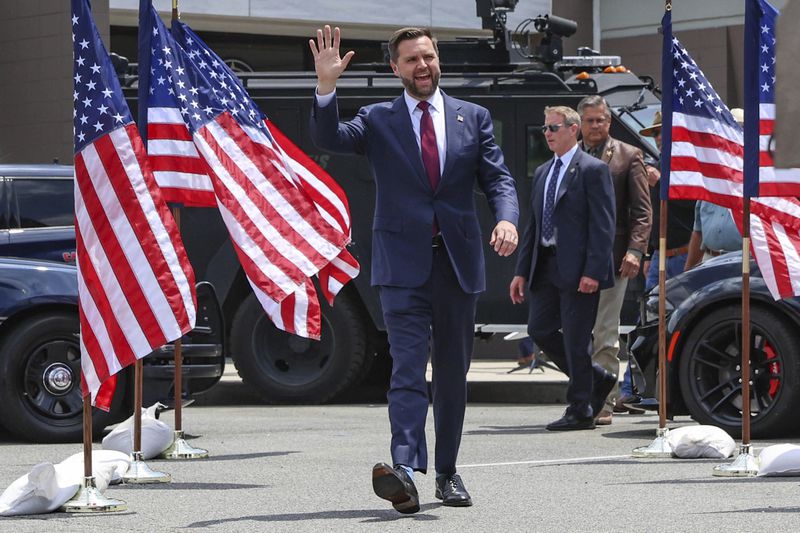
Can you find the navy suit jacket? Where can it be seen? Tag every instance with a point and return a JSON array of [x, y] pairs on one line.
[[584, 222], [405, 204]]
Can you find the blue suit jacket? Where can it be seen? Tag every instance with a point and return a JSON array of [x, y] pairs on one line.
[[405, 204], [584, 222]]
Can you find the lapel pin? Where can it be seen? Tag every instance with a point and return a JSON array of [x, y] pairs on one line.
[[460, 118]]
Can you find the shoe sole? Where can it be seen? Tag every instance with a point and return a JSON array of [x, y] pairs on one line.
[[569, 428], [388, 486]]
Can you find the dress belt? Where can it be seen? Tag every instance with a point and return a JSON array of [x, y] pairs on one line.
[[677, 251]]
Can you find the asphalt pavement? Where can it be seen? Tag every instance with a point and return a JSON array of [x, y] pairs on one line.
[[308, 468]]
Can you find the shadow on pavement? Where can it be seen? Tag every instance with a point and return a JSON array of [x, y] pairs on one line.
[[369, 516]]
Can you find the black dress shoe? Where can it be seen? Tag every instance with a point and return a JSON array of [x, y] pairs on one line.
[[601, 390], [571, 422], [395, 485], [451, 490]]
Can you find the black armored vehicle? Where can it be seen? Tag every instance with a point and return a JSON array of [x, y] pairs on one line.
[[515, 77]]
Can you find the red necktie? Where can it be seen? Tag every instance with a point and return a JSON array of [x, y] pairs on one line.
[[430, 152]]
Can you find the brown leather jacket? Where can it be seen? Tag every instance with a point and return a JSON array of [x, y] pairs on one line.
[[634, 212]]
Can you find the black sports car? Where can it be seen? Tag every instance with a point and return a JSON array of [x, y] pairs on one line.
[[704, 349]]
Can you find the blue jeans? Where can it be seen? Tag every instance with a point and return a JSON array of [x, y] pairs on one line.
[[675, 266]]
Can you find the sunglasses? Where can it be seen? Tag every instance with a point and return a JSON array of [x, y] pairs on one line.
[[552, 127]]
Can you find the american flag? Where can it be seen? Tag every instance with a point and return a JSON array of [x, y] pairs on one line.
[[704, 159], [287, 219], [705, 142], [761, 177], [775, 237], [135, 283]]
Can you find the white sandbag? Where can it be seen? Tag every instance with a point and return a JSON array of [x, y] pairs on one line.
[[47, 487], [156, 435], [693, 442], [118, 462], [779, 460]]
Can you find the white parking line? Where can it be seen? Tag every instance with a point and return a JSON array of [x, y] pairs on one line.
[[550, 461]]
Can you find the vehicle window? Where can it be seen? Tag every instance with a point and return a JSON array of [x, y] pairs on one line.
[[5, 205], [537, 151], [44, 202]]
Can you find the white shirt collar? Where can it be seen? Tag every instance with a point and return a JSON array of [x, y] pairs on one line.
[[566, 159], [436, 100]]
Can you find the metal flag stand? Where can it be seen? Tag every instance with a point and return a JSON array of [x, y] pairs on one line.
[[745, 464], [179, 449], [660, 447], [89, 499], [139, 472]]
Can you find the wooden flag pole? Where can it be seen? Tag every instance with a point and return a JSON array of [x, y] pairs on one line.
[[660, 447], [662, 318], [176, 213], [88, 499], [746, 342], [180, 449], [745, 464]]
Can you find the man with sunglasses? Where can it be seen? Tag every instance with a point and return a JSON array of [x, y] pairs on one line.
[[565, 259], [633, 219]]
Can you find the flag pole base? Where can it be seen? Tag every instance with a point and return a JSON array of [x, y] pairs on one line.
[[745, 465], [180, 449], [658, 449], [139, 472], [89, 499]]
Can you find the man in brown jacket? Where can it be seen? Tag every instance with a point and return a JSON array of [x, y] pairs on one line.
[[634, 218]]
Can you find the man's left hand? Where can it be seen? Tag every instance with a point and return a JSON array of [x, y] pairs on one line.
[[504, 238], [588, 285], [630, 266]]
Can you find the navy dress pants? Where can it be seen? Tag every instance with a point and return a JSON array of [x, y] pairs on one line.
[[440, 311], [560, 322]]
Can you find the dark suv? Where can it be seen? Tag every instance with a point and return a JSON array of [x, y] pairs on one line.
[[39, 328], [37, 212]]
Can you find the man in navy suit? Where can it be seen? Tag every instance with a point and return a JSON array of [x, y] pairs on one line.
[[565, 259], [427, 151]]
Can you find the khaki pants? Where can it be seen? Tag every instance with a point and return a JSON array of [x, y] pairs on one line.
[[606, 332]]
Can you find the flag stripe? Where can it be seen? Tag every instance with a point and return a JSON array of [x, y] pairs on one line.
[[138, 234], [110, 315], [115, 275], [260, 237], [293, 206]]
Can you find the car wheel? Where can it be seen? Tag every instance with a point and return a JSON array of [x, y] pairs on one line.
[[710, 372], [40, 373], [286, 368]]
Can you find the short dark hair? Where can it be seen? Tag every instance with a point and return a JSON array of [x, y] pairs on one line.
[[407, 34]]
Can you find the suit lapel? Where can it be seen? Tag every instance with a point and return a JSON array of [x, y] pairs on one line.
[[454, 133], [400, 122]]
